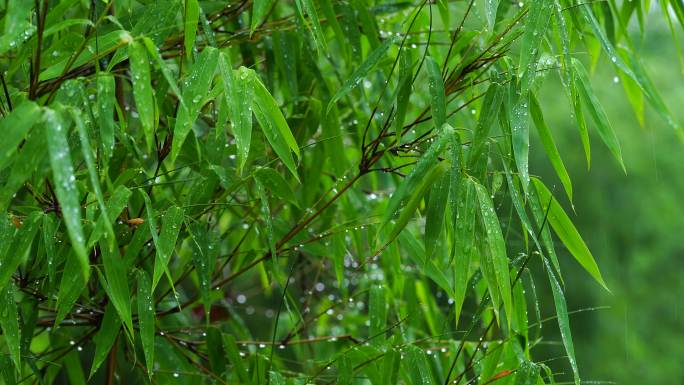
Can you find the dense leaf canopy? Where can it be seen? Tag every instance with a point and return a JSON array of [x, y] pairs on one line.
[[296, 192]]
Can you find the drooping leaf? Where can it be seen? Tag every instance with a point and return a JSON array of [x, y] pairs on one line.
[[105, 112], [166, 242], [238, 93], [377, 312], [14, 127], [18, 243], [605, 130], [65, 183], [142, 90], [566, 231], [117, 284], [194, 87], [273, 123], [259, 10], [9, 321], [146, 318], [550, 145], [361, 72], [190, 20], [437, 96], [105, 337], [494, 261]]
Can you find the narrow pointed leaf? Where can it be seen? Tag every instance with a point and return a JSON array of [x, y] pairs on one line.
[[105, 113], [105, 337], [566, 231], [117, 284], [146, 318], [65, 183], [14, 128], [360, 73], [191, 18], [491, 103], [238, 93], [436, 208], [18, 243], [550, 145], [605, 130], [195, 89], [259, 10], [273, 124], [9, 321], [166, 242], [495, 253], [142, 90], [563, 320], [437, 97]]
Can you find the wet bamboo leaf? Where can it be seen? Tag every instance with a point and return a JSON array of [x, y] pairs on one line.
[[195, 89], [563, 320], [437, 96], [166, 242], [105, 112], [259, 10], [494, 259], [238, 94], [28, 160], [14, 127], [191, 18], [70, 287], [274, 183], [146, 318], [234, 358], [550, 145], [361, 72], [605, 130], [18, 244], [65, 183], [116, 203], [566, 231], [307, 6], [417, 365], [273, 123], [117, 284], [491, 7], [464, 242], [436, 208], [142, 90], [9, 321], [105, 337], [491, 103], [18, 26]]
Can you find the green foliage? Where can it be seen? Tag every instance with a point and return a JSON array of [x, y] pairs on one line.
[[150, 139]]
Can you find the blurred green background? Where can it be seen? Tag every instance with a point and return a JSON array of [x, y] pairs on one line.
[[633, 223]]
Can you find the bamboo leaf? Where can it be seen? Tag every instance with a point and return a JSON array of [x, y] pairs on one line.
[[14, 252], [361, 72], [14, 128], [494, 259], [436, 208], [239, 94], [195, 88], [437, 96], [566, 231], [146, 318], [142, 90], [491, 7], [105, 112], [259, 11], [191, 18], [105, 337], [9, 321], [605, 130], [116, 284], [563, 320], [550, 145], [70, 286], [273, 123], [65, 183], [491, 103], [275, 184], [166, 242], [417, 365]]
